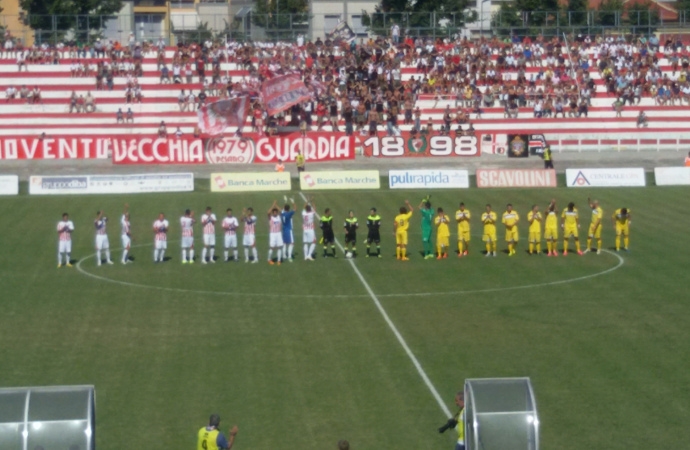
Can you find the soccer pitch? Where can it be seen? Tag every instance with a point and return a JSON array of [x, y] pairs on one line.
[[299, 356]]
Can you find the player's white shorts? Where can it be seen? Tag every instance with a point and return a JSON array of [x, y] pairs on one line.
[[210, 240], [308, 236], [275, 240], [126, 241], [161, 245], [230, 241], [102, 242], [248, 240], [65, 246], [187, 241]]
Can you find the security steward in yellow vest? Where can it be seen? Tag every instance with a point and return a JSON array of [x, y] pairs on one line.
[[457, 422], [548, 159], [210, 438]]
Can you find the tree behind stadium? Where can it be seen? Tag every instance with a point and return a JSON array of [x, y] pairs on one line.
[[52, 19], [422, 17]]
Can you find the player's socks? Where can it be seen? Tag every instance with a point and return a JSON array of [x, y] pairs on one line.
[[439, 251], [306, 251], [459, 247], [488, 248], [98, 257], [270, 255], [589, 244], [203, 255], [234, 254], [290, 248], [246, 254], [538, 245], [397, 252], [531, 248], [155, 256], [255, 254], [162, 255], [212, 253], [494, 246], [225, 255], [378, 251], [68, 258], [124, 256], [510, 248], [577, 246], [312, 249], [333, 249], [184, 256], [599, 244], [403, 252], [280, 254], [626, 241], [368, 248], [107, 256]]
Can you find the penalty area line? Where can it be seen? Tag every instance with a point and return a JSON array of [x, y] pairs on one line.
[[393, 328]]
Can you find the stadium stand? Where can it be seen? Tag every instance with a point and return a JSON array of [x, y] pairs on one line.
[[587, 88]]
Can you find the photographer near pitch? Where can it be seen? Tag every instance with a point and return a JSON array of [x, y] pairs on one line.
[[457, 422]]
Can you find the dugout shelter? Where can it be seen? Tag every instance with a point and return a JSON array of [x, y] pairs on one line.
[[500, 414], [55, 417]]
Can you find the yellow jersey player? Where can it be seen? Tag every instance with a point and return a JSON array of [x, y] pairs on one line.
[[510, 220], [551, 229], [442, 234], [570, 222], [489, 219], [402, 223], [534, 220], [621, 219], [596, 226], [462, 216]]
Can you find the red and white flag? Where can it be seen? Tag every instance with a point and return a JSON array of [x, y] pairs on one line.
[[280, 93], [217, 116]]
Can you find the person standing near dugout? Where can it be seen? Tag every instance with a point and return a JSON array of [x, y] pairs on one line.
[[457, 422], [548, 157], [211, 438]]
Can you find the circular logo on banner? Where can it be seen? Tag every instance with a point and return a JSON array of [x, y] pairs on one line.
[[417, 145], [230, 150]]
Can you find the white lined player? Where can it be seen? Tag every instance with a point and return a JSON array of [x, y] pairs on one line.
[[102, 242], [208, 220], [160, 243], [308, 233], [275, 233], [65, 227], [230, 225], [126, 234], [187, 223], [249, 235]]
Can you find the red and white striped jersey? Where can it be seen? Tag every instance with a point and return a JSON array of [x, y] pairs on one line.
[[186, 223], [161, 227], [100, 226], [209, 221], [230, 225], [275, 224], [65, 228], [125, 225], [249, 224], [307, 220]]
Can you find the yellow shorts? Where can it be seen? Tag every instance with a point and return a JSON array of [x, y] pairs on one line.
[[551, 233], [595, 233], [571, 231], [443, 241], [489, 234], [535, 236], [512, 234], [464, 236], [622, 229], [401, 237]]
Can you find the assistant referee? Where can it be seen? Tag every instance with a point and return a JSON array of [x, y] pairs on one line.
[[210, 438]]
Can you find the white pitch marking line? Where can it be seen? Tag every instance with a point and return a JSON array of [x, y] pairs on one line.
[[191, 291], [513, 288], [393, 328]]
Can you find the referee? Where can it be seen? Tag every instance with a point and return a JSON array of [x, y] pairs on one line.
[[374, 236], [328, 235], [210, 438]]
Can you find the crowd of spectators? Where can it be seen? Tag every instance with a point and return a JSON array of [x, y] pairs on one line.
[[362, 84]]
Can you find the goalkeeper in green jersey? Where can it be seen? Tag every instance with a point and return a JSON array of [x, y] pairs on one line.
[[427, 219]]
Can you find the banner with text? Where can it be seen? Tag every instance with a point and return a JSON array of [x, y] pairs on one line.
[[9, 185], [147, 150], [351, 179], [672, 176], [217, 116], [489, 178], [55, 147], [428, 179], [418, 145], [605, 177], [250, 148], [247, 182], [111, 184]]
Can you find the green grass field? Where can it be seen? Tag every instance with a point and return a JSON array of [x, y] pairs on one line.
[[298, 356]]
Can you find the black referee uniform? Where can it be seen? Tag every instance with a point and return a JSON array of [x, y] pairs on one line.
[[374, 235], [328, 236]]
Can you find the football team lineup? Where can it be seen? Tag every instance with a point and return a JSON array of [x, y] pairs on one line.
[[281, 239]]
